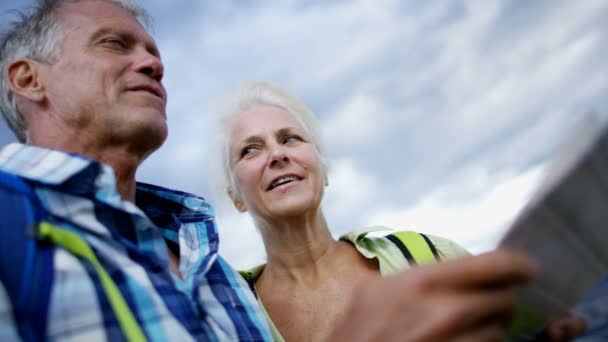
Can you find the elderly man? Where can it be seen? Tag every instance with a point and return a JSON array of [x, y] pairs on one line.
[[88, 254], [83, 78]]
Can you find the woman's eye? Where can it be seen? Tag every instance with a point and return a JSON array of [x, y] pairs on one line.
[[291, 138], [247, 150]]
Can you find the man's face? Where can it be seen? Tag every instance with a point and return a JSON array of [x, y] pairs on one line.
[[105, 84]]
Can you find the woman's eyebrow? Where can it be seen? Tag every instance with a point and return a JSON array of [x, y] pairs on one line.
[[249, 139], [286, 130]]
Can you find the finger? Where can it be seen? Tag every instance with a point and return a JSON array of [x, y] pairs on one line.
[[489, 332], [465, 311], [566, 328], [498, 268]]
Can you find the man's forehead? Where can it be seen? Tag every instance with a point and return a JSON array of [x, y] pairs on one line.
[[100, 15]]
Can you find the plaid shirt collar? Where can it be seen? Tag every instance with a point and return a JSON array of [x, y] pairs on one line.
[[175, 214]]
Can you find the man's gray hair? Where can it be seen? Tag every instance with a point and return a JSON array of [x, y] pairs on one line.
[[36, 34]]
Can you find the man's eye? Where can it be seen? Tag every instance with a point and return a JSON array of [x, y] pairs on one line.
[[115, 42]]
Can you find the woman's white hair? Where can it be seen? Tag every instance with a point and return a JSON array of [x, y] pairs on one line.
[[258, 93]]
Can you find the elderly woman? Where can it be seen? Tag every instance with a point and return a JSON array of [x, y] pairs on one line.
[[275, 170]]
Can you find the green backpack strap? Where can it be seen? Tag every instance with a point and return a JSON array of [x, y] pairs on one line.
[[417, 248], [251, 276], [79, 247], [26, 264]]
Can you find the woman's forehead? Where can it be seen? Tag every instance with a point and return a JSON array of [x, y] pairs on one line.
[[262, 118]]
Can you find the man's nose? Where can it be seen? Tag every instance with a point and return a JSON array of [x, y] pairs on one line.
[[151, 66]]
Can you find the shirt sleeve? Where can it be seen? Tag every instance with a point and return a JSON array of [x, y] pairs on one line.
[[8, 329], [447, 249]]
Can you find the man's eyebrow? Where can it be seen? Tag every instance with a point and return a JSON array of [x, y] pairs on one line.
[[102, 32], [127, 35]]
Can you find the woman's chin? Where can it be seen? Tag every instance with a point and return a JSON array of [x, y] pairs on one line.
[[291, 208]]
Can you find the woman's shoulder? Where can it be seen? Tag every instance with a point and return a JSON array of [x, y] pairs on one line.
[[425, 247], [447, 248]]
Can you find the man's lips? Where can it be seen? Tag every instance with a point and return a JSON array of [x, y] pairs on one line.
[[153, 89]]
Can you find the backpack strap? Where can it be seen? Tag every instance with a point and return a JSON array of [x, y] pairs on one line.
[[26, 262], [417, 248], [250, 278], [26, 265], [78, 247]]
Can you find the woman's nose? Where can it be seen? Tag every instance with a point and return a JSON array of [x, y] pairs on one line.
[[278, 157]]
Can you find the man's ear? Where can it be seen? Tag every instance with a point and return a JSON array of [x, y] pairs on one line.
[[238, 204], [23, 78]]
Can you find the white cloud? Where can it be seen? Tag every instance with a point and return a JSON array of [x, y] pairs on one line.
[[349, 193], [240, 242], [357, 121], [476, 222]]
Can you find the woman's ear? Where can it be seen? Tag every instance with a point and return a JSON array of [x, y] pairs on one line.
[[238, 204]]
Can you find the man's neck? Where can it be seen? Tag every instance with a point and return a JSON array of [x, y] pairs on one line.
[[123, 162], [125, 179], [124, 153], [125, 166]]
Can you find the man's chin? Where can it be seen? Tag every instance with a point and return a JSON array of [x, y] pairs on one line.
[[152, 137], [143, 137]]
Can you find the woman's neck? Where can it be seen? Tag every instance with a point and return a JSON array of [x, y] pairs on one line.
[[299, 249]]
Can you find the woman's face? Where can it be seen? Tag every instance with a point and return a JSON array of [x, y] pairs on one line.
[[276, 169]]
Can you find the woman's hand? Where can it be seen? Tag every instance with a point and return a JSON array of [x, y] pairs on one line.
[[467, 299], [565, 328]]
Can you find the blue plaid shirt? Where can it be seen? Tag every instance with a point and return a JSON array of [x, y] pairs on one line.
[[212, 302]]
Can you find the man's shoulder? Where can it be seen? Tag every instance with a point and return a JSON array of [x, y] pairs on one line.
[[11, 183], [176, 195], [156, 201], [17, 201]]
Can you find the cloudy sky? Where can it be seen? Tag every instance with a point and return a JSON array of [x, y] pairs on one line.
[[438, 116]]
